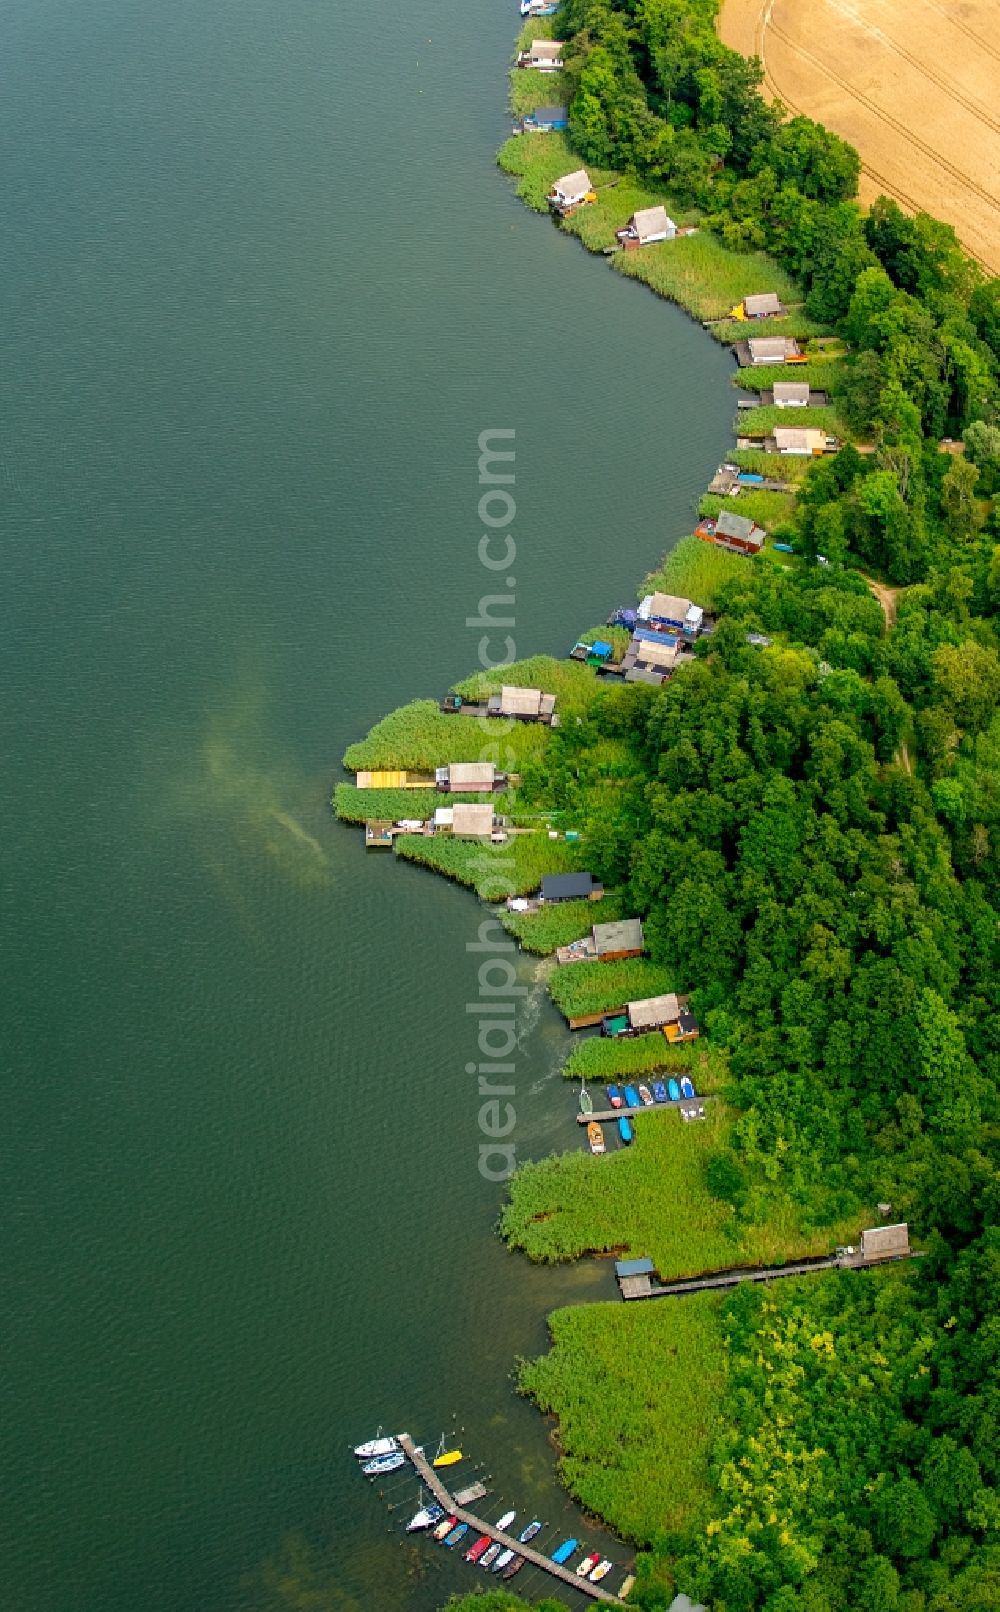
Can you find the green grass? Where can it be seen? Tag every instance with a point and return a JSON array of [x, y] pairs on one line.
[[493, 871], [583, 988], [757, 422], [617, 200], [353, 805], [695, 570], [767, 509], [530, 89], [418, 736], [774, 465], [653, 1199], [573, 684], [704, 276], [635, 1389], [536, 161], [606, 1058], [795, 324], [619, 637], [556, 926], [823, 375]]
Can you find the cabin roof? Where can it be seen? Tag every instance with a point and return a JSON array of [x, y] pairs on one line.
[[624, 936], [520, 701], [656, 651], [472, 818], [770, 346], [567, 886], [885, 1239], [731, 525], [805, 437], [472, 774], [651, 220], [548, 48], [576, 183], [550, 114], [654, 1011], [683, 1603], [634, 1267], [765, 302], [791, 391]]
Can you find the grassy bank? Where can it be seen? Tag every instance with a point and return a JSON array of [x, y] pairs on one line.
[[630, 1452], [696, 570], [493, 871], [606, 1058], [767, 509], [353, 805], [761, 421], [573, 683], [418, 737], [556, 926], [585, 988]]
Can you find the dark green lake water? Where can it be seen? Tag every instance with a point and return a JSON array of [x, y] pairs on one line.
[[264, 288]]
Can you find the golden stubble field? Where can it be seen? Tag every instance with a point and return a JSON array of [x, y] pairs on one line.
[[913, 84]]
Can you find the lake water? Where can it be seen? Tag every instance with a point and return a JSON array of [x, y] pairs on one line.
[[264, 288]]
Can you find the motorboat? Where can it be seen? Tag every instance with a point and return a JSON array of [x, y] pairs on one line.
[[674, 1090], [452, 1538], [586, 1101], [445, 1528], [632, 1098], [384, 1463], [376, 1447], [448, 1458], [425, 1518], [659, 1091], [480, 1548], [503, 1560], [614, 1097], [601, 1571], [532, 1529], [595, 1136], [490, 1556], [647, 1096], [513, 1567], [625, 1132], [687, 1089], [565, 1551], [588, 1564], [505, 1521]]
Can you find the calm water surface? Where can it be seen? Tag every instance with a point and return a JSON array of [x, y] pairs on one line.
[[264, 288]]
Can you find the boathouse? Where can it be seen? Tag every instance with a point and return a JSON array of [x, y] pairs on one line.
[[546, 120], [767, 305], [770, 350], [886, 1242], [802, 442], [651, 659], [612, 942], [571, 887], [635, 1277], [544, 55], [673, 614], [522, 704], [570, 192], [466, 820], [647, 225], [468, 777], [734, 532], [791, 394]]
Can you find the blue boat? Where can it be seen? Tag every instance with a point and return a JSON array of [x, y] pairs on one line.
[[565, 1551], [534, 1527], [614, 1097], [625, 1130], [632, 1098], [687, 1090], [674, 1090], [456, 1534], [783, 548], [659, 1091]]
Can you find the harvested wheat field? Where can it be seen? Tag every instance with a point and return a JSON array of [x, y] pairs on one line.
[[911, 83]]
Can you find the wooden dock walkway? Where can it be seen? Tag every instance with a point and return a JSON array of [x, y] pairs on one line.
[[430, 1478], [643, 1287], [603, 1115]]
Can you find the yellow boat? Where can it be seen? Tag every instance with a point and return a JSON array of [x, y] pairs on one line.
[[448, 1458]]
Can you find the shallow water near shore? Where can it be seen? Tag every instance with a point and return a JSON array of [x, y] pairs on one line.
[[264, 290]]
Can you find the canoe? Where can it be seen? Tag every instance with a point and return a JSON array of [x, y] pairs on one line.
[[505, 1521], [601, 1571], [375, 1447], [626, 1587], [425, 1518], [384, 1463], [452, 1539], [674, 1090], [588, 1564], [504, 1558], [659, 1091], [513, 1567], [614, 1097], [687, 1090], [646, 1095], [625, 1130], [595, 1136], [632, 1098], [565, 1551], [586, 1101], [447, 1459], [532, 1529], [490, 1557], [445, 1527], [480, 1548]]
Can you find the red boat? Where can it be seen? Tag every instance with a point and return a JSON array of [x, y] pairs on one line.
[[588, 1564], [478, 1549]]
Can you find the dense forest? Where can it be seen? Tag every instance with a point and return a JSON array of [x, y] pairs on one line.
[[810, 834]]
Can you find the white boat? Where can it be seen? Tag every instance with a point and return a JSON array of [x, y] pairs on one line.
[[384, 1463], [425, 1518], [601, 1571], [505, 1521], [504, 1557], [375, 1447]]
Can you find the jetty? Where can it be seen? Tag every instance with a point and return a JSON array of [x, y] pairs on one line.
[[450, 1502], [603, 1116], [880, 1245]]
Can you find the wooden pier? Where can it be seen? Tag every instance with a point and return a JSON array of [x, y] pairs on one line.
[[430, 1479], [879, 1246], [604, 1115]]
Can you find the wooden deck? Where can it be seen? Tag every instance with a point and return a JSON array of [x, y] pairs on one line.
[[432, 1481]]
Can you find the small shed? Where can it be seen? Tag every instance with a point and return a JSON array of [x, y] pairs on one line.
[[683, 1603], [545, 119], [672, 611], [651, 658], [634, 1277], [623, 939], [886, 1242], [653, 1012], [545, 55], [771, 349], [793, 441], [791, 394], [469, 777], [739, 533], [765, 306], [571, 887], [523, 704], [647, 225], [572, 190], [472, 821]]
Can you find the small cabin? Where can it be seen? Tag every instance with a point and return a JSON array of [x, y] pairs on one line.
[[635, 1277], [612, 942], [654, 1012], [558, 887], [667, 611], [651, 658], [571, 191], [466, 820], [468, 777], [886, 1242], [771, 350], [544, 55], [378, 836], [791, 394], [803, 443], [767, 305], [546, 120], [647, 225], [522, 704], [738, 533]]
